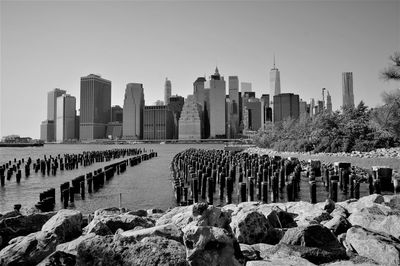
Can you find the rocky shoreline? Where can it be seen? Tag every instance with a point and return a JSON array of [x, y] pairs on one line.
[[353, 232]]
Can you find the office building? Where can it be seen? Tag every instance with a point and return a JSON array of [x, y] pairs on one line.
[[266, 110], [47, 131], [52, 112], [245, 87], [233, 108], [175, 105], [114, 130], [132, 126], [198, 90], [328, 103], [95, 107], [116, 113], [347, 89], [167, 91], [303, 108], [190, 124], [66, 118], [312, 107], [274, 81], [216, 86], [286, 105], [252, 115], [158, 123]]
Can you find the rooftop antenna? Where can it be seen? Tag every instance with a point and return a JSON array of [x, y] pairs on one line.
[[274, 61]]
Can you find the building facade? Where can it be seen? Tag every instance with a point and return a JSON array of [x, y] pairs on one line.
[[95, 107], [347, 89], [52, 113], [274, 81], [116, 113], [252, 115], [167, 91], [245, 87], [132, 127], [190, 124], [233, 108], [175, 105], [216, 86], [47, 131], [329, 103], [286, 105], [158, 123], [66, 117]]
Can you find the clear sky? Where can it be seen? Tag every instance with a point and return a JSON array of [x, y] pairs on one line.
[[51, 44]]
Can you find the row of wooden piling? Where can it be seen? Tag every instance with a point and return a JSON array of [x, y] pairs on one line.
[[199, 174], [91, 182]]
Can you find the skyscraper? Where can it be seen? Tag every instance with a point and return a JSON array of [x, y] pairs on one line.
[[66, 116], [216, 85], [274, 81], [328, 103], [245, 87], [158, 122], [95, 107], [286, 105], [233, 107], [190, 125], [49, 126], [347, 89], [175, 105], [167, 91], [133, 111]]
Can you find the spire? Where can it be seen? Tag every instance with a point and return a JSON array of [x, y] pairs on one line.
[[216, 71]]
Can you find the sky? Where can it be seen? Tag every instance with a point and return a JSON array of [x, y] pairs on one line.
[[51, 44]]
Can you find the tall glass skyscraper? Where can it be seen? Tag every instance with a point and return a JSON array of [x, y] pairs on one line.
[[274, 81], [167, 91], [132, 125], [347, 89], [95, 107]]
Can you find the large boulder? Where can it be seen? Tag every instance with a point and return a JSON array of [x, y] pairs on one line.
[[97, 227], [249, 252], [210, 246], [66, 224], [180, 216], [277, 217], [103, 250], [103, 225], [59, 258], [72, 246], [338, 225], [250, 227], [379, 247], [286, 261], [170, 231], [108, 211], [205, 215], [307, 213], [353, 205], [22, 225], [29, 250]]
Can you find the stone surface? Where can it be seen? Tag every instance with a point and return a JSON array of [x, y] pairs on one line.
[[142, 213], [204, 215], [97, 227], [72, 246], [102, 250], [180, 216], [250, 227], [379, 247], [66, 224], [367, 201], [249, 252], [59, 258], [277, 217], [29, 250], [170, 231], [338, 225], [210, 246], [108, 211], [263, 249], [115, 222], [22, 225], [276, 261]]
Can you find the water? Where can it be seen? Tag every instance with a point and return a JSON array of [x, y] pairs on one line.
[[144, 186]]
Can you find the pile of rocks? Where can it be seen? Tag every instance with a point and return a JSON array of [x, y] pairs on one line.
[[363, 232]]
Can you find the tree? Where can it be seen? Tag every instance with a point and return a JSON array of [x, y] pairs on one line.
[[392, 72]]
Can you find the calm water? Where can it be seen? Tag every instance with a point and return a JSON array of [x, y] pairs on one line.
[[144, 186]]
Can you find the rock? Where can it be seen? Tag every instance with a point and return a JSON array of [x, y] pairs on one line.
[[250, 227], [378, 218], [308, 213], [262, 249], [59, 258], [329, 205], [29, 250], [249, 252], [287, 261], [98, 228], [154, 211], [277, 217], [204, 215], [379, 247], [209, 246], [339, 211], [170, 231], [180, 216], [142, 213], [72, 246], [338, 225], [102, 250], [115, 222], [394, 202], [66, 224], [22, 225], [108, 211], [367, 201]]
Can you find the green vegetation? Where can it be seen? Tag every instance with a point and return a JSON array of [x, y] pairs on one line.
[[352, 129]]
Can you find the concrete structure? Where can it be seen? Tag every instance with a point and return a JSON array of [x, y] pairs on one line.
[[167, 91], [175, 105], [286, 105], [216, 85], [266, 110], [47, 131], [158, 122], [190, 124], [245, 87], [233, 108], [274, 81], [303, 108], [114, 130], [312, 107], [328, 103], [198, 90], [77, 127], [252, 117], [132, 126], [52, 110], [347, 89], [95, 107], [66, 117], [117, 114]]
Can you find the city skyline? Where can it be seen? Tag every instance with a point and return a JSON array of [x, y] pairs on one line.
[[314, 42]]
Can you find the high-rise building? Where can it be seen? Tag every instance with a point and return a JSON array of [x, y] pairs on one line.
[[116, 113], [245, 87], [52, 114], [190, 125], [175, 105], [167, 91], [158, 122], [133, 111], [47, 131], [303, 108], [274, 81], [198, 90], [266, 110], [347, 89], [233, 107], [216, 85], [66, 116], [312, 107], [328, 103], [286, 105], [252, 115], [95, 107]]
